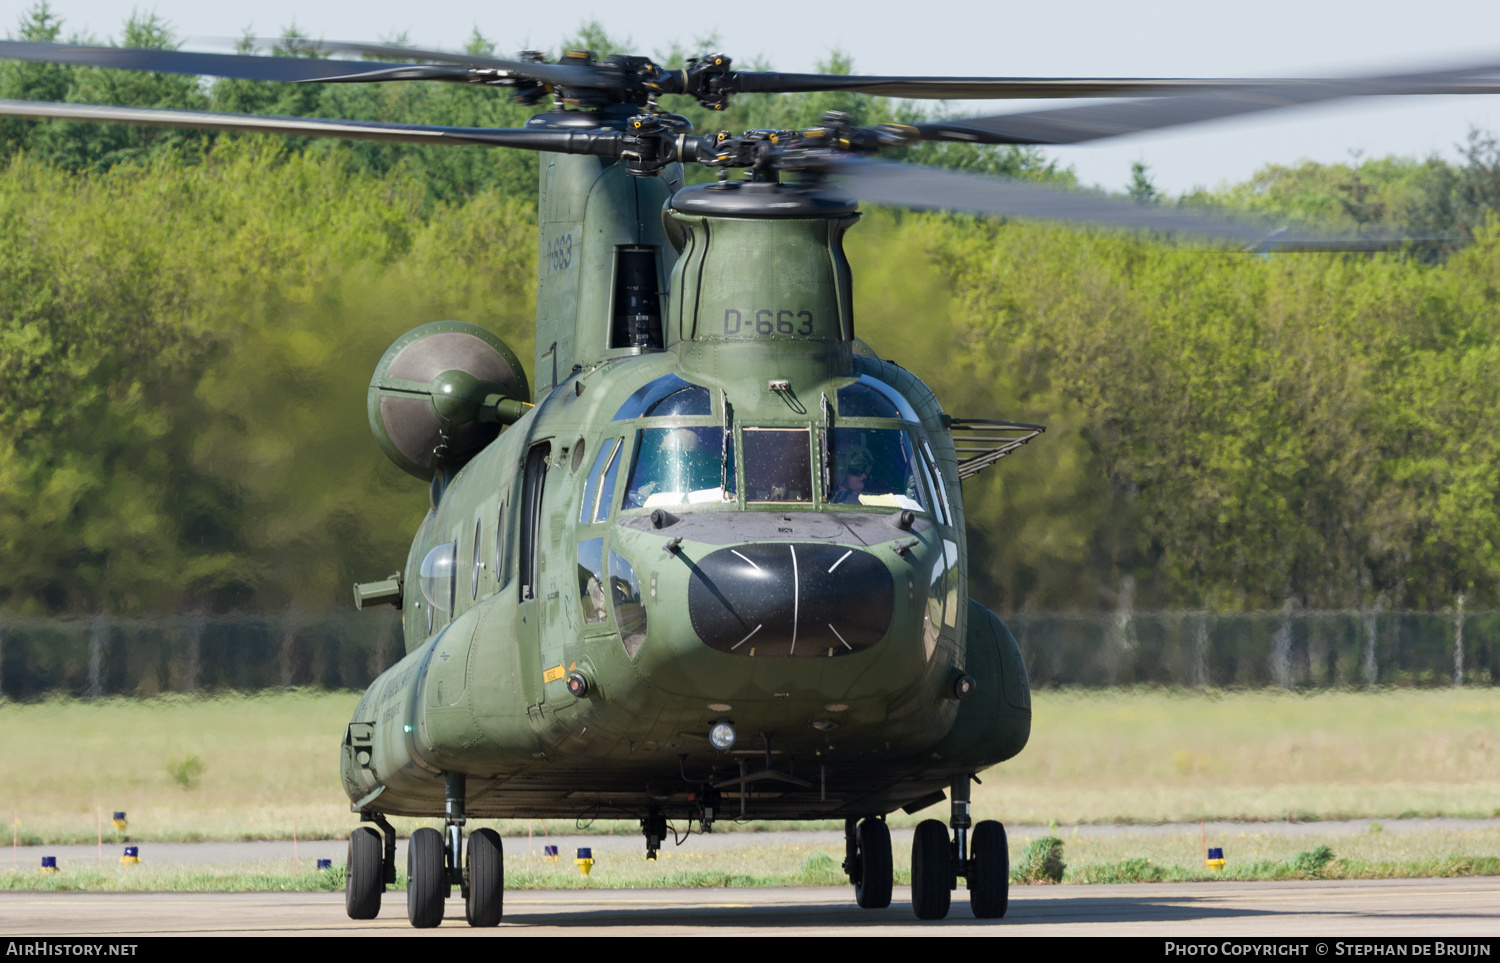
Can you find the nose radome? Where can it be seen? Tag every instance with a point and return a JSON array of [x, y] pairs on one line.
[[791, 600]]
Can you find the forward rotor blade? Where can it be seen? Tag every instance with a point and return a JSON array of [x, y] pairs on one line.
[[561, 75], [1075, 125], [605, 143], [237, 66], [931, 188], [979, 88]]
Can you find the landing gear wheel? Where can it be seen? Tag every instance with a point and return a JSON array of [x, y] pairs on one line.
[[989, 871], [931, 871], [364, 874], [872, 884], [484, 902], [426, 878]]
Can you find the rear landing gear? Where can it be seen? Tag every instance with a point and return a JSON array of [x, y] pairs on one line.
[[867, 861]]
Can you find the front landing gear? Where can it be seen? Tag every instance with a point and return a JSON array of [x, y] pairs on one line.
[[370, 868], [485, 895], [937, 862], [867, 861]]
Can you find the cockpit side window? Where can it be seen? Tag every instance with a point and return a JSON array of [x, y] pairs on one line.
[[588, 512]]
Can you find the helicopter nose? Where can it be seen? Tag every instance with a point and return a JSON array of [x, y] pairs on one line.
[[791, 600]]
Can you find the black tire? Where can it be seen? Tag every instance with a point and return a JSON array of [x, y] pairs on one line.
[[872, 885], [931, 871], [484, 904], [989, 871], [364, 874], [426, 878]]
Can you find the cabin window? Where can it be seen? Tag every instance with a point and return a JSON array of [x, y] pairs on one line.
[[438, 576], [478, 537], [500, 546], [874, 466], [778, 465], [591, 580], [680, 466]]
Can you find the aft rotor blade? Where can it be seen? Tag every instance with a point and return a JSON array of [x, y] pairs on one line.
[[237, 66], [931, 188], [1076, 125], [605, 143]]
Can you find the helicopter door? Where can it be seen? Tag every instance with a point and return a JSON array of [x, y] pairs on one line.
[[528, 632]]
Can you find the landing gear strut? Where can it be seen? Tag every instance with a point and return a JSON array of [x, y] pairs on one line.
[[937, 862]]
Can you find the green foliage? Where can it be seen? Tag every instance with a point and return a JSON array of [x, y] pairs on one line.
[[1126, 871], [1311, 862], [186, 771], [1041, 862], [187, 324]]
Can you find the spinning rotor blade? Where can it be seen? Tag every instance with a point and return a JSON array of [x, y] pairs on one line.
[[976, 88], [237, 66], [931, 188], [1076, 125], [561, 75], [602, 142]]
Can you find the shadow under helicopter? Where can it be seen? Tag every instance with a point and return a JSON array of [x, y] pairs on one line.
[[826, 908]]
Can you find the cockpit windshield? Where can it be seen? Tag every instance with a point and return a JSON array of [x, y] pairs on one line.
[[778, 465], [680, 466], [874, 466]]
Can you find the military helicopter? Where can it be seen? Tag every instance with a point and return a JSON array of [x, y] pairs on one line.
[[708, 560]]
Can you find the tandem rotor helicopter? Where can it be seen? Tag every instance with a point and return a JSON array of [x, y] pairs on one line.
[[708, 560]]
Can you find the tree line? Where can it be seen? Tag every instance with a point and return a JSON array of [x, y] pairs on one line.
[[188, 323]]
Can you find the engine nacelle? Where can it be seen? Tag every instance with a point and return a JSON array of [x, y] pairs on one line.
[[441, 393]]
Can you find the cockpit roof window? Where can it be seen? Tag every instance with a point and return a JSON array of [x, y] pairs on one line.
[[872, 398], [667, 395]]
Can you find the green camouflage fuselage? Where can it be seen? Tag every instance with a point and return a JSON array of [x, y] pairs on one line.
[[826, 625]]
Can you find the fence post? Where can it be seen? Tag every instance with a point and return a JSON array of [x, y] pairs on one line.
[[1122, 639], [1372, 671], [98, 638], [1200, 649], [1458, 643], [1281, 648]]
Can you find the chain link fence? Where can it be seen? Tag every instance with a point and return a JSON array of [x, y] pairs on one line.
[[90, 658]]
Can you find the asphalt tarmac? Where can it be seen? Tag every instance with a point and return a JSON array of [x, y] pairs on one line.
[[1454, 912]]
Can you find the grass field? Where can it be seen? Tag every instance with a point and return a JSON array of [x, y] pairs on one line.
[[264, 763]]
